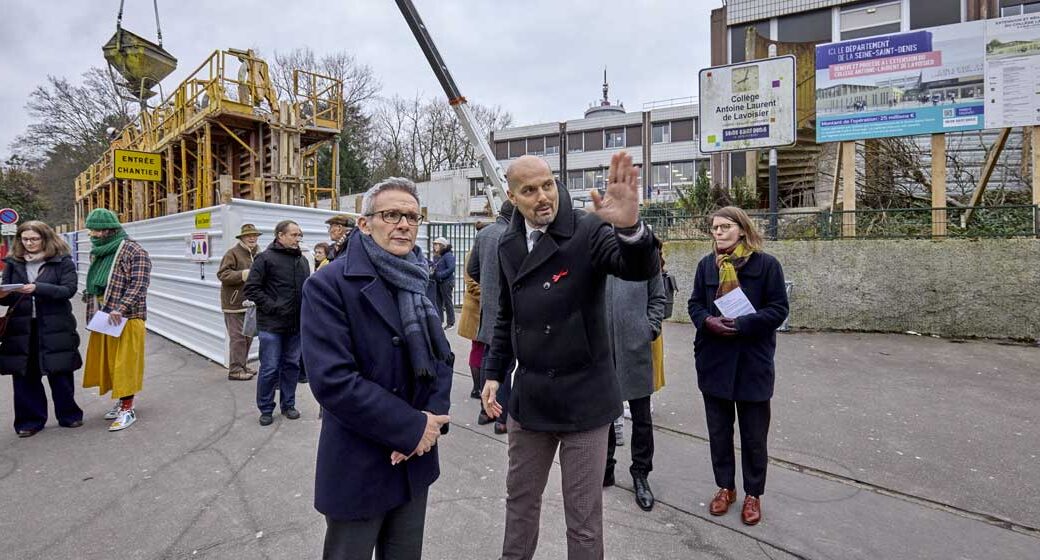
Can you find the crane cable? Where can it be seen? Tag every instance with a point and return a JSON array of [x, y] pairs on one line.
[[155, 6]]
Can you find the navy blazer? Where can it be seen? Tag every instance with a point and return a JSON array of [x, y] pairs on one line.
[[740, 367], [361, 375]]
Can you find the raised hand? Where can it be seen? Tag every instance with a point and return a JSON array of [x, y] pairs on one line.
[[620, 206]]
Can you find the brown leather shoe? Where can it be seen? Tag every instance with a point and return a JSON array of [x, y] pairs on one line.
[[751, 513], [239, 376], [720, 503]]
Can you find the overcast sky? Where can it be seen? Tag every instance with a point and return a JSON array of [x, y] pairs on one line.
[[541, 60]]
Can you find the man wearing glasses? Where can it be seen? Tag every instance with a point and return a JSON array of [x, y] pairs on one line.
[[275, 285], [340, 228], [381, 369]]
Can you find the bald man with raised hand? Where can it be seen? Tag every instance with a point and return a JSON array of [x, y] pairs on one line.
[[554, 262]]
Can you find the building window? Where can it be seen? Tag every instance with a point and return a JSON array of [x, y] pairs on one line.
[[575, 181], [575, 143], [661, 177], [737, 38], [593, 140], [876, 18], [661, 133], [634, 136], [552, 145], [502, 150], [684, 174], [614, 138], [476, 187], [807, 27], [517, 148], [682, 130], [1018, 7], [934, 13], [536, 146]]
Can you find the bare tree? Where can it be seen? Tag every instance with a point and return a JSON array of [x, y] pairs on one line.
[[359, 81], [416, 137], [73, 115]]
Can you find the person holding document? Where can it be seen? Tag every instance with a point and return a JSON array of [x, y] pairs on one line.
[[117, 285], [40, 338], [738, 301]]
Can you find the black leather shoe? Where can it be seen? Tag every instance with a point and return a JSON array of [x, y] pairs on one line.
[[474, 394], [291, 413], [500, 428], [644, 497], [73, 424], [266, 419], [483, 418], [27, 433], [608, 478]]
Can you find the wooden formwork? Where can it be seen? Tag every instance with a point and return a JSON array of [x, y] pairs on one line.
[[221, 138]]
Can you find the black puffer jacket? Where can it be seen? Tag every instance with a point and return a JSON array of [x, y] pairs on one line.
[[275, 285], [56, 324]]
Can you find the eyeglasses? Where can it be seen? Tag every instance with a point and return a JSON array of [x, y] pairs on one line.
[[722, 227], [31, 239], [394, 217]]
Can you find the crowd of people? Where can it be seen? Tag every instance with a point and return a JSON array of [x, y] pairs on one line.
[[564, 309]]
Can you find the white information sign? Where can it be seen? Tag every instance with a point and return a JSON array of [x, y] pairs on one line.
[[8, 229], [1013, 71], [198, 248], [748, 106]]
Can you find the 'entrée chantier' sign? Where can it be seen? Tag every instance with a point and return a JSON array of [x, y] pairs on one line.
[[137, 166]]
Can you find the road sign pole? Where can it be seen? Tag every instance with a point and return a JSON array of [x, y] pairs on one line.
[[773, 195]]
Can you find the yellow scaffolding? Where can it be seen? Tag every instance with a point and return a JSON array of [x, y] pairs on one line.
[[223, 133]]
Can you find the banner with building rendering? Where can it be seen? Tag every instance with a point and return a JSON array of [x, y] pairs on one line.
[[920, 82]]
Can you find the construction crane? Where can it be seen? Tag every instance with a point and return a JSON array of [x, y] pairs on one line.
[[496, 179], [141, 63]]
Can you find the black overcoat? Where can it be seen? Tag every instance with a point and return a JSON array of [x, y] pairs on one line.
[[552, 318], [275, 285], [739, 368], [56, 324]]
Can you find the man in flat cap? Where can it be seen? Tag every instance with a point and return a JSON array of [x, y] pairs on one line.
[[233, 272], [339, 230]]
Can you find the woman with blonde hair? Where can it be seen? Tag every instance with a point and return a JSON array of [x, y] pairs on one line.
[[40, 337], [734, 354]]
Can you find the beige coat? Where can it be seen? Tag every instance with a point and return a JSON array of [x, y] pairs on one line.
[[469, 322], [233, 271]]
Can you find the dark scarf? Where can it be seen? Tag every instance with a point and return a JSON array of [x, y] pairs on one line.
[[422, 333]]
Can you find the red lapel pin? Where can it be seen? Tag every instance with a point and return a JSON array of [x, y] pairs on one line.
[[556, 277]]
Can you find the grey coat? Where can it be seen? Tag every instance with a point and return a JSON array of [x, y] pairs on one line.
[[635, 312], [483, 268]]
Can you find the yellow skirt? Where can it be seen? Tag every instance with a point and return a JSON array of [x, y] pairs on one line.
[[116, 364], [657, 358]]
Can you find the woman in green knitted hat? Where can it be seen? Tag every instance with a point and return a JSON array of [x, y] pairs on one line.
[[117, 283]]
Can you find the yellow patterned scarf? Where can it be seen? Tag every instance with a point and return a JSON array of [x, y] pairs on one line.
[[729, 264]]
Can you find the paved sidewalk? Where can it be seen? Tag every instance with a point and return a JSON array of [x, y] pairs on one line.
[[196, 477]]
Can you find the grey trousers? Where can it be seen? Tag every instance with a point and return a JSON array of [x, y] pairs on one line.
[[582, 456], [394, 535], [239, 344]]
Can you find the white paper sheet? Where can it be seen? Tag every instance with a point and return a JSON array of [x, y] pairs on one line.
[[734, 304], [11, 287], [99, 323]]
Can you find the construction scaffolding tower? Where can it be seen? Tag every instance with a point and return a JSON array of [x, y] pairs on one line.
[[223, 133]]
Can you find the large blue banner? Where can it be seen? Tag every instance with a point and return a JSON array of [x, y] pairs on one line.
[[921, 82]]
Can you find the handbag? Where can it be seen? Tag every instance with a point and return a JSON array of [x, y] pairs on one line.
[[7, 315], [249, 321]]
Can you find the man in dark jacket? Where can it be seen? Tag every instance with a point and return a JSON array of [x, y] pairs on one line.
[[554, 263], [483, 268], [444, 276], [381, 369], [275, 285]]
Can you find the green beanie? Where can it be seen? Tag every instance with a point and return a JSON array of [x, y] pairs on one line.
[[103, 218]]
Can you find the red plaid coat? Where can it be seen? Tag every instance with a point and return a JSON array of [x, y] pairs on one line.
[[128, 283]]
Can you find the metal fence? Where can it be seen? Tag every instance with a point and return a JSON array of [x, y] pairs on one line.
[[460, 235], [672, 224]]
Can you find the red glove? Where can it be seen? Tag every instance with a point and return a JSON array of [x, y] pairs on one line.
[[721, 326]]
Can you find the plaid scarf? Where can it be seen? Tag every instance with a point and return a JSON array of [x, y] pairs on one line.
[[729, 264], [423, 336]]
